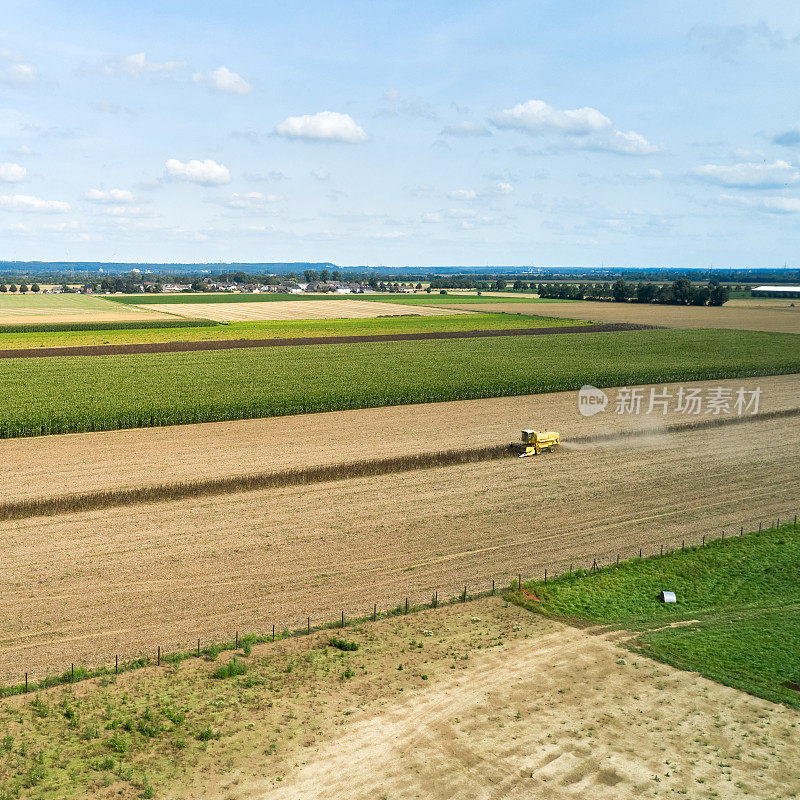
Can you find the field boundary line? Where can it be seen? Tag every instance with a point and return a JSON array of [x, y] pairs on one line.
[[514, 592], [278, 479]]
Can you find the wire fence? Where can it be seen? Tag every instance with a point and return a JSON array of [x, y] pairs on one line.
[[406, 605]]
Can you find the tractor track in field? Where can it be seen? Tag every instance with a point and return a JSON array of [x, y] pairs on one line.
[[235, 344]]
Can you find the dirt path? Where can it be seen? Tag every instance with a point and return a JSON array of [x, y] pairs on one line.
[[758, 318], [233, 344], [564, 714], [56, 465], [82, 587]]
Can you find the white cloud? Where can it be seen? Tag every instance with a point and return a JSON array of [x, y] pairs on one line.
[[465, 129], [24, 202], [127, 211], [320, 174], [14, 69], [206, 172], [223, 80], [585, 127], [116, 196], [750, 175], [629, 144], [463, 194], [324, 125], [137, 64], [12, 173], [503, 187], [252, 200], [775, 204], [536, 116], [432, 216]]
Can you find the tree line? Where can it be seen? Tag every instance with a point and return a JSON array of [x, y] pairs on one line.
[[681, 292]]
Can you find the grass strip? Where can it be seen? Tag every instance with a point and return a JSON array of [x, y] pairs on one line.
[[57, 327], [187, 330], [72, 394], [735, 620]]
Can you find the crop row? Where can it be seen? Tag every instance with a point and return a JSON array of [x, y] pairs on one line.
[[59, 395], [54, 327]]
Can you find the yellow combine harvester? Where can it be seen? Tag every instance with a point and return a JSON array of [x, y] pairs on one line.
[[533, 442]]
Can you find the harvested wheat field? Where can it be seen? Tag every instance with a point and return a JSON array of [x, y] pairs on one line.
[[560, 713], [288, 310], [61, 308], [81, 587], [779, 319], [49, 466]]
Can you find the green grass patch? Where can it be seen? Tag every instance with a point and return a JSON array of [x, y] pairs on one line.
[[145, 332], [61, 395], [131, 325], [231, 669], [740, 596], [342, 644]]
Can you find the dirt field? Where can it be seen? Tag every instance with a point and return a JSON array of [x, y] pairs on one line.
[[492, 702], [309, 309], [79, 462], [49, 308], [81, 587], [561, 713], [733, 315]]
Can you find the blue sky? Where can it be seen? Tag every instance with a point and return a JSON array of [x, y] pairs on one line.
[[545, 133]]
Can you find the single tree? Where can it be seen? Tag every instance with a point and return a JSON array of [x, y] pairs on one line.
[[35, 287], [619, 291], [718, 296]]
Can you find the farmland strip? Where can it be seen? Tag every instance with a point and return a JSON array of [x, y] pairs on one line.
[[234, 344], [92, 501]]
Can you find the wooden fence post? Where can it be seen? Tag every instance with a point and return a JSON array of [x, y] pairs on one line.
[[116, 665], [343, 618], [374, 612], [273, 633], [72, 674], [492, 587], [158, 657], [545, 576], [198, 648], [406, 611], [464, 596], [26, 683]]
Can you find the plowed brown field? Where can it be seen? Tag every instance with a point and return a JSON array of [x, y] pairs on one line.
[[82, 587], [56, 465], [781, 319]]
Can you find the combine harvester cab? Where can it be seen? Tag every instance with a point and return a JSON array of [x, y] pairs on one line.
[[534, 442]]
